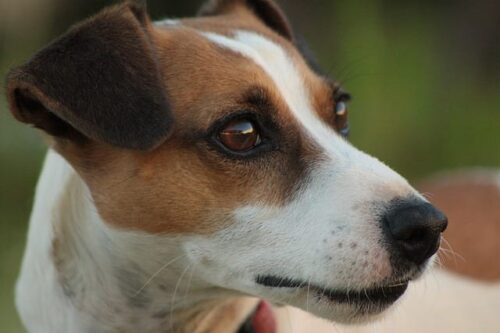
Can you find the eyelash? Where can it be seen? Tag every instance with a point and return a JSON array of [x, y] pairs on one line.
[[341, 96]]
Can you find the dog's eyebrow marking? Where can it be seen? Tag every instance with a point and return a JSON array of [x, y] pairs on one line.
[[258, 97], [279, 66]]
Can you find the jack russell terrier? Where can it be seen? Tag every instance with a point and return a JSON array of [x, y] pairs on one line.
[[197, 162]]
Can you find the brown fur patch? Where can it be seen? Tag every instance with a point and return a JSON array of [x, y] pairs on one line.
[[188, 184]]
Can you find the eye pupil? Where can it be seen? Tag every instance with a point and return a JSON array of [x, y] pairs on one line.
[[239, 136]]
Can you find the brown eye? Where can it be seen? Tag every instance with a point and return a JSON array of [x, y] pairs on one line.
[[240, 136], [341, 118]]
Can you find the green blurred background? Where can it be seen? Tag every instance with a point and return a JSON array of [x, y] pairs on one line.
[[425, 76]]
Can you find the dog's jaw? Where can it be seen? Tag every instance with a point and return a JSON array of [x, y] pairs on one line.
[[97, 278], [80, 265]]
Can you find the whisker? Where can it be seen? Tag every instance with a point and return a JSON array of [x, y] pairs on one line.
[[156, 274], [188, 288], [451, 251], [439, 262], [427, 195], [307, 297], [355, 77], [346, 69], [172, 302]]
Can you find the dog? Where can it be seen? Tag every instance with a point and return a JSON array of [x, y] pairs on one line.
[[194, 163]]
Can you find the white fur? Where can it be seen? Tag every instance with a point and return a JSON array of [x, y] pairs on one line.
[[106, 267], [38, 293], [329, 234]]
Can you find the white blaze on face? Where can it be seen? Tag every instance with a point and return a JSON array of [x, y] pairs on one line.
[[288, 80], [329, 234]]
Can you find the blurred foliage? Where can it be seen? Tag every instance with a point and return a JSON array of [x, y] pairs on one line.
[[424, 74]]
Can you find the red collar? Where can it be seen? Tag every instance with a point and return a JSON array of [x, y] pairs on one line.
[[262, 320]]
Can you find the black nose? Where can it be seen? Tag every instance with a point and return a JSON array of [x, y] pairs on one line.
[[414, 229]]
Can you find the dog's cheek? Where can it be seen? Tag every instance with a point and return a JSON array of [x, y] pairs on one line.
[[211, 262]]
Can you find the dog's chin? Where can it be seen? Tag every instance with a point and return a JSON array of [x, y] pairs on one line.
[[338, 305], [347, 313], [349, 307]]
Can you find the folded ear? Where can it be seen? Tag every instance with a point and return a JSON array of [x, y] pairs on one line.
[[99, 82], [266, 10]]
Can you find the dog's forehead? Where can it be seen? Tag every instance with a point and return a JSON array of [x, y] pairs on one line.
[[207, 69], [228, 57]]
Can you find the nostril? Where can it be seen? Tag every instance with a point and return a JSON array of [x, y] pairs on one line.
[[406, 232], [414, 236]]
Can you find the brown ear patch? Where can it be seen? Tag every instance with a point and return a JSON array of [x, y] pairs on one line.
[[266, 10], [101, 79]]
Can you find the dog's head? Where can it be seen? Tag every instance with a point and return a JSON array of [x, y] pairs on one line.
[[220, 131]]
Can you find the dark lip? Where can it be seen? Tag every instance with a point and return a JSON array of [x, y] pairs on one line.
[[377, 295], [383, 295]]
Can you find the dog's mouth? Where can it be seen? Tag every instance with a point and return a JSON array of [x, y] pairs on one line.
[[377, 296]]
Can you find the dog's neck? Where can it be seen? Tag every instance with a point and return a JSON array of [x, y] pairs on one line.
[[100, 279]]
